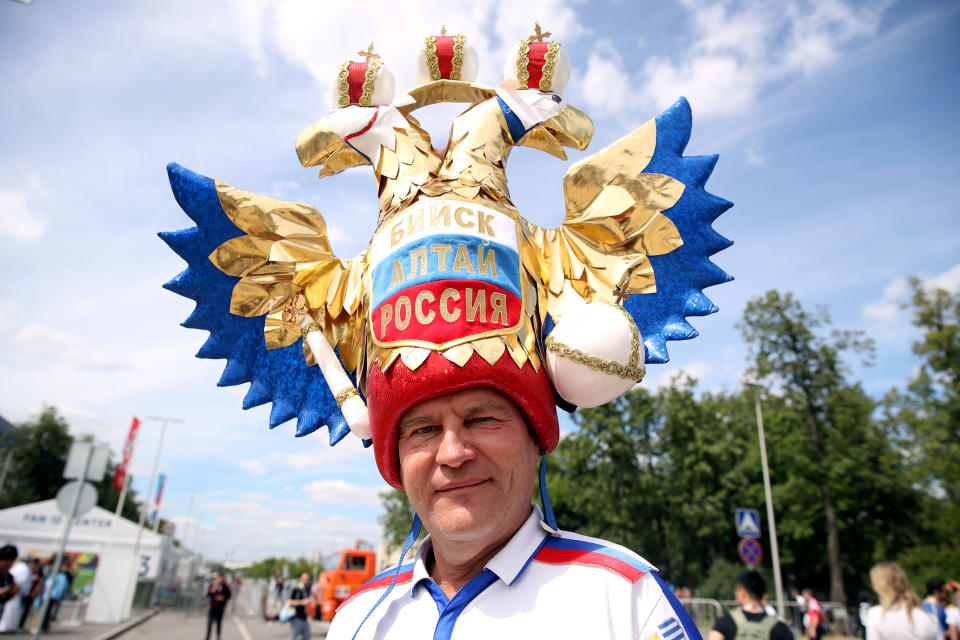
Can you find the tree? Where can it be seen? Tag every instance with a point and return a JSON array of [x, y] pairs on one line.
[[268, 567], [39, 450], [789, 354], [925, 418], [396, 518], [658, 474], [40, 447]]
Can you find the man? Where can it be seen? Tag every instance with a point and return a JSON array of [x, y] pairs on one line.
[[936, 601], [750, 621], [299, 599], [801, 608], [814, 617], [217, 595], [490, 566], [22, 577], [59, 584], [36, 582], [449, 345], [8, 587]]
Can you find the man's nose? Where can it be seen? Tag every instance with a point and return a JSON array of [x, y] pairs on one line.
[[454, 449]]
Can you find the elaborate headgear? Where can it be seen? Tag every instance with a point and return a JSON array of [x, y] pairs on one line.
[[456, 289]]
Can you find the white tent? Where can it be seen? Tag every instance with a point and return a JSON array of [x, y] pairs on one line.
[[36, 528]]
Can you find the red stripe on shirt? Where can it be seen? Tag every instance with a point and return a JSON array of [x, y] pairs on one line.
[[378, 583], [577, 556]]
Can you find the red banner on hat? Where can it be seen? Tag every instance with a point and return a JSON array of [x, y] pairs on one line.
[[121, 475]]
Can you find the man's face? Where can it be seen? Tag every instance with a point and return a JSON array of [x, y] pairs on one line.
[[467, 462], [940, 595], [5, 565], [304, 578], [740, 594]]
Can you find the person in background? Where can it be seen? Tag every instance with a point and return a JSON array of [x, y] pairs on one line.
[[953, 611], [814, 618], [767, 607], [8, 587], [58, 585], [899, 616], [299, 599], [801, 608], [10, 618], [749, 621], [935, 602], [36, 583], [217, 596]]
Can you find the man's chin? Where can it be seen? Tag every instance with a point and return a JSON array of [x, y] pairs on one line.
[[462, 523]]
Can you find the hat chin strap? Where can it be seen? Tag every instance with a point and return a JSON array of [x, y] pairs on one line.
[[544, 494], [411, 538]]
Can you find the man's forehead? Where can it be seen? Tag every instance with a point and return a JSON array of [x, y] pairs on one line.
[[464, 400]]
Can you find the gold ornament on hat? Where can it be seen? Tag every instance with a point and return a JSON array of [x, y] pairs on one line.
[[433, 62]]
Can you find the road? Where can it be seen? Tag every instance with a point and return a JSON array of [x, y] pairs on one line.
[[175, 624]]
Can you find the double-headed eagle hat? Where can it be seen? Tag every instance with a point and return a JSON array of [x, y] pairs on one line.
[[456, 289]]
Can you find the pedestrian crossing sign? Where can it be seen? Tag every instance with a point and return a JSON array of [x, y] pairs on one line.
[[748, 523]]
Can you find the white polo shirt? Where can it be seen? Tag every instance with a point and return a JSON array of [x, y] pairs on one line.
[[539, 585]]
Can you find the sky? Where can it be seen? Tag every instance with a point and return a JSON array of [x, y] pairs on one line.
[[834, 120]]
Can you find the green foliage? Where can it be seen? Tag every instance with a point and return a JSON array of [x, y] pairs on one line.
[[930, 561], [39, 449], [268, 568], [718, 582], [396, 519], [926, 417]]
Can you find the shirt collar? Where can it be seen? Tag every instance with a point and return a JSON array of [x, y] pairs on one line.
[[509, 562]]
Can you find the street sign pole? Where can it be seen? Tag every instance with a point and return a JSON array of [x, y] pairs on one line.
[[44, 610], [774, 551]]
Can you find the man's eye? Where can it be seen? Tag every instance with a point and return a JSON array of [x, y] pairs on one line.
[[425, 430]]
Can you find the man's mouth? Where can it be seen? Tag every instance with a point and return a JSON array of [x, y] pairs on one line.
[[456, 485]]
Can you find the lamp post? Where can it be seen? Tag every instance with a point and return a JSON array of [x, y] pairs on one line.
[[774, 550]]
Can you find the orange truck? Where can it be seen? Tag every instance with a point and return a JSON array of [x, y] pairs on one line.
[[354, 568]]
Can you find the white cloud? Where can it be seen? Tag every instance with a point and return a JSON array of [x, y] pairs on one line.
[[342, 492], [887, 309], [737, 50], [254, 466], [17, 218], [41, 341], [320, 456], [888, 315], [311, 35], [949, 280], [696, 370]]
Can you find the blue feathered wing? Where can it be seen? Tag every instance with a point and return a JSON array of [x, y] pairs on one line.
[[687, 270], [638, 227], [280, 376]]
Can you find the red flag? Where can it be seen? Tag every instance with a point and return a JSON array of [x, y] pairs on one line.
[[121, 475]]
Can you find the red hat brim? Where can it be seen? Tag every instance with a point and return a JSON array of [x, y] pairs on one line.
[[392, 394]]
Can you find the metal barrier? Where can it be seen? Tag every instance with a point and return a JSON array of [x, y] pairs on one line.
[[836, 618], [704, 612]]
